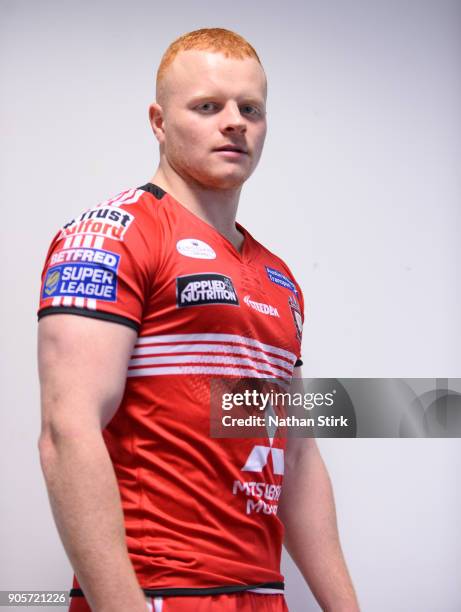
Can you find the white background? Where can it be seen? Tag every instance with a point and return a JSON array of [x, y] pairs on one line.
[[358, 190]]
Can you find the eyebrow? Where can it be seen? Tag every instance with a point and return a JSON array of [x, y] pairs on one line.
[[246, 99]]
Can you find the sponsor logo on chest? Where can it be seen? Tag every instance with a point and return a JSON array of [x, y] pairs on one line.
[[265, 309], [193, 247], [281, 279], [207, 288]]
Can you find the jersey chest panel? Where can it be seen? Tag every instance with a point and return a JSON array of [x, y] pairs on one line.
[[229, 293]]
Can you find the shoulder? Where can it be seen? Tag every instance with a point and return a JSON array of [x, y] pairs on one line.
[[123, 225], [103, 260], [116, 212]]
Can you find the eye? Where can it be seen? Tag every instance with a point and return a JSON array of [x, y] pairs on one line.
[[207, 107], [249, 109]]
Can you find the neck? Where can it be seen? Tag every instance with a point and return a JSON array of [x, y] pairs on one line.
[[217, 207]]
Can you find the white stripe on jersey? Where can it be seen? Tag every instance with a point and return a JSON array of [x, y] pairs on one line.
[[149, 604], [218, 370], [233, 338], [158, 604], [217, 359], [207, 348], [129, 196]]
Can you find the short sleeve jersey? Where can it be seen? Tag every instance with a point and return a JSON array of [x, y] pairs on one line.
[[200, 512]]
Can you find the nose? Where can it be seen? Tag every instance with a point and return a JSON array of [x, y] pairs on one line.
[[232, 120]]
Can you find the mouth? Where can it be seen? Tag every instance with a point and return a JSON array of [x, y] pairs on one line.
[[232, 149]]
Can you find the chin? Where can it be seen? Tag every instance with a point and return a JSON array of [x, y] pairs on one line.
[[221, 181], [227, 184]]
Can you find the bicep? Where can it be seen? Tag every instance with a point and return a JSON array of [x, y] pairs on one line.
[[298, 446], [82, 367]]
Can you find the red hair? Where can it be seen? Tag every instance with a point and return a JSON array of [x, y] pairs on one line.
[[217, 40]]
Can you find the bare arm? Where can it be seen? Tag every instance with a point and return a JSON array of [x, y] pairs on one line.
[[307, 510], [82, 367]]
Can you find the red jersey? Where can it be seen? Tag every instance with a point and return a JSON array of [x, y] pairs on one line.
[[200, 512]]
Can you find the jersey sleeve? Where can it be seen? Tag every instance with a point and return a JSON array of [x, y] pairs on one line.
[[101, 264]]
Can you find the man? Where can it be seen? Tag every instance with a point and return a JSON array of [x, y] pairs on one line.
[[155, 294]]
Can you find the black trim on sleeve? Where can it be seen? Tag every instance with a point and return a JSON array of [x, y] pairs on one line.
[[299, 362], [93, 314], [155, 190], [178, 592]]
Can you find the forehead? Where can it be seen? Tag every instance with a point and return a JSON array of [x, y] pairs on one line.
[[196, 72]]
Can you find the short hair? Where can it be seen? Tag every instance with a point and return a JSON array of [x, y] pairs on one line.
[[217, 40]]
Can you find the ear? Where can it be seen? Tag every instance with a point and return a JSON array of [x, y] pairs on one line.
[[156, 121]]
